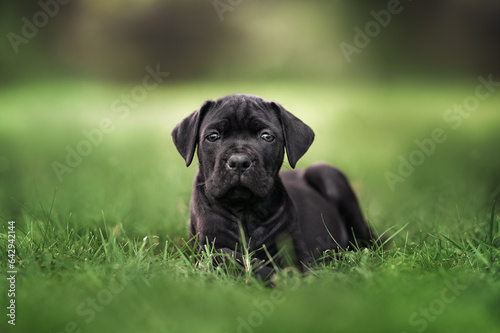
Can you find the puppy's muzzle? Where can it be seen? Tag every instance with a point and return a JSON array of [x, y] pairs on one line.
[[239, 163]]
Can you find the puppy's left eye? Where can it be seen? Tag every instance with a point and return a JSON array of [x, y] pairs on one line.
[[267, 137], [212, 137]]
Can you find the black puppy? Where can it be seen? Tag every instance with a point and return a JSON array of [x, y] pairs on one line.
[[241, 141]]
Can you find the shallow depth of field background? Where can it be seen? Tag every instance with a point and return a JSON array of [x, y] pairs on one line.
[[85, 66]]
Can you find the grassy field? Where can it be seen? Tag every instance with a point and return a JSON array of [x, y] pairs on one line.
[[99, 232]]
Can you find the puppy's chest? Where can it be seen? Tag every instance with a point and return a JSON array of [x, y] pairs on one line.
[[258, 229], [254, 230]]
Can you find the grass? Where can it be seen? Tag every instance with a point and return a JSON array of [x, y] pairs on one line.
[[103, 251]]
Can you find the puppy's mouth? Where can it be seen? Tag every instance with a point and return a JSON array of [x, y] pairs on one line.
[[238, 186], [239, 193]]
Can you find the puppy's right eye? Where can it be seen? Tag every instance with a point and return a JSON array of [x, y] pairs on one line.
[[212, 137]]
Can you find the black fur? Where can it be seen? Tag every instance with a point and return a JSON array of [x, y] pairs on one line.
[[241, 141]]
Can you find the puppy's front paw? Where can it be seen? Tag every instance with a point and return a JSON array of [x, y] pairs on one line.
[[265, 272]]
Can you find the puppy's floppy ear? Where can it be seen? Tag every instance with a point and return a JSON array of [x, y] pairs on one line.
[[298, 136], [185, 134]]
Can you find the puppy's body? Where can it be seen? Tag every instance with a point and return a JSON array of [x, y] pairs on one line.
[[241, 141], [327, 209]]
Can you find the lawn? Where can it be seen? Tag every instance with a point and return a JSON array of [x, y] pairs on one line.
[[100, 200]]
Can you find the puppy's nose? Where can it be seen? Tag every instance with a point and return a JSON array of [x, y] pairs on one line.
[[239, 162]]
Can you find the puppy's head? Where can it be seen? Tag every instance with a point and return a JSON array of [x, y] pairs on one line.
[[241, 141]]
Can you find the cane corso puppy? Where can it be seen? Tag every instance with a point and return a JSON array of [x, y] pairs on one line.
[[239, 188]]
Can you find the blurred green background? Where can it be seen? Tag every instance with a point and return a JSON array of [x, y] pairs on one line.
[[65, 67], [68, 67]]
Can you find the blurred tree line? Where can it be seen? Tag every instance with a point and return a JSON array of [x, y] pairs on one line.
[[436, 35], [245, 39]]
